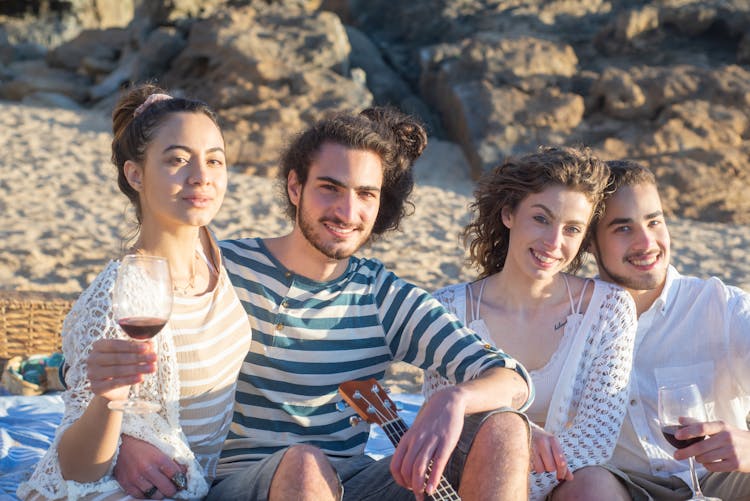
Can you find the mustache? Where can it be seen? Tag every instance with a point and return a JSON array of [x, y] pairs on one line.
[[338, 222], [641, 255]]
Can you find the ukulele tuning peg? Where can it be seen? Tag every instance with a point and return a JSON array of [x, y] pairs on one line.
[[354, 421], [341, 406]]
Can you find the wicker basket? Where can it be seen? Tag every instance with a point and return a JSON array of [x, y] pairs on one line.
[[30, 322]]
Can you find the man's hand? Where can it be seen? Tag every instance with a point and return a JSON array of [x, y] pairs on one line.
[[115, 364], [141, 466], [547, 455], [429, 442], [726, 447]]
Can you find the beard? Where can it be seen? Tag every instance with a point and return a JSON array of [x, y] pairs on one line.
[[330, 247], [648, 282]]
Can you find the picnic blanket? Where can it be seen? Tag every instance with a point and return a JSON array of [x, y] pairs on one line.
[[27, 425]]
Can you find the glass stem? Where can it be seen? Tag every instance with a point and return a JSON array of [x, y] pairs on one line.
[[136, 392], [694, 478]]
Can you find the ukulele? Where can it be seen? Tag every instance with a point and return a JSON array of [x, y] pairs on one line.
[[373, 405]]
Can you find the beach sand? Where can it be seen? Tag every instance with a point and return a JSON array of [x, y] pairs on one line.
[[64, 217]]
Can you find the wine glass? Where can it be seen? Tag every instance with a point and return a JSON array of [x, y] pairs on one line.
[[142, 303], [683, 401]]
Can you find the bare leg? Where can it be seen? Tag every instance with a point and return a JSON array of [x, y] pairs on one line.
[[304, 474], [497, 466], [591, 484]]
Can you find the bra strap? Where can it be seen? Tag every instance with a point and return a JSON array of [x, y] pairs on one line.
[[475, 309], [583, 293], [570, 294]]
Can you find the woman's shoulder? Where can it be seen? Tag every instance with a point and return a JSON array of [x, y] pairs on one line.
[[614, 302], [101, 287], [451, 291], [91, 314], [613, 291]]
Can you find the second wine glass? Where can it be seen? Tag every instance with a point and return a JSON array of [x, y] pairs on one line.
[[678, 406], [142, 303]]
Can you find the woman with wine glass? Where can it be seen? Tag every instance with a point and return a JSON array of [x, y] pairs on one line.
[[171, 164], [528, 233]]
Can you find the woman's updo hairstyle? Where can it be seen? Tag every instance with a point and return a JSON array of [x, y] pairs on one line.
[[134, 125]]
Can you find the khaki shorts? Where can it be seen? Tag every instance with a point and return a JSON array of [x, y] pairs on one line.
[[733, 486]]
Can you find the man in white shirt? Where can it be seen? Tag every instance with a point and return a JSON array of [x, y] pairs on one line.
[[689, 331]]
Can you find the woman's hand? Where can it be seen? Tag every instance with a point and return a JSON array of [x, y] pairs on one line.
[[547, 455], [116, 364], [141, 466]]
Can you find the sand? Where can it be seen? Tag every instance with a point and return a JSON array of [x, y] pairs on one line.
[[64, 217]]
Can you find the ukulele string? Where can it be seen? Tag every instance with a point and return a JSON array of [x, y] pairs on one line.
[[444, 490]]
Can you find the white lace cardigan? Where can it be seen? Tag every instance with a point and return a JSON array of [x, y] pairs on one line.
[[90, 319], [590, 398]]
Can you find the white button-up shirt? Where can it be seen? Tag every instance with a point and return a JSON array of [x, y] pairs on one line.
[[697, 331]]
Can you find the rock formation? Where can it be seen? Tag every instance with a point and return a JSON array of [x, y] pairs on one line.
[[665, 82]]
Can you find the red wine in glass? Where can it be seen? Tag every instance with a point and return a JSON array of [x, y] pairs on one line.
[[141, 304], [679, 405], [142, 328], [670, 430]]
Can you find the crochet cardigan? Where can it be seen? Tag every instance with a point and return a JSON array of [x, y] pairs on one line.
[[590, 398]]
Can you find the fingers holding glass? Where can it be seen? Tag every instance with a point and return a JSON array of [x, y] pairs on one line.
[[142, 303], [680, 406]]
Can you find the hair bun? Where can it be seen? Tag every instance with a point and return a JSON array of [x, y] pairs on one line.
[[407, 130]]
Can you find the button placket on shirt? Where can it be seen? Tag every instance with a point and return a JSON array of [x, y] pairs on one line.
[[284, 303]]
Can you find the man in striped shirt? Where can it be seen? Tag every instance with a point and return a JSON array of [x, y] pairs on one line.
[[321, 317]]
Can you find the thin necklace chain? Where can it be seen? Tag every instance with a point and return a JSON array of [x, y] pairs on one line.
[[191, 281]]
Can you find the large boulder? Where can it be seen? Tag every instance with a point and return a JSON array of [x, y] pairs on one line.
[[270, 71], [500, 94], [90, 45], [29, 77]]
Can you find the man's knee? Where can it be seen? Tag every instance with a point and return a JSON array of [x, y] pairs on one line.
[[498, 460], [305, 469], [506, 431], [302, 461], [591, 483], [502, 438]]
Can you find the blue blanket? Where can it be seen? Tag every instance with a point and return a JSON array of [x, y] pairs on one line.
[[27, 425]]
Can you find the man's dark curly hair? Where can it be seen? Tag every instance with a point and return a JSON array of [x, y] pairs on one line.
[[517, 177], [398, 139]]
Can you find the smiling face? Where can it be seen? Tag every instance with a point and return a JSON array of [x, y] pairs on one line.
[[183, 177], [338, 205], [632, 244], [546, 230]]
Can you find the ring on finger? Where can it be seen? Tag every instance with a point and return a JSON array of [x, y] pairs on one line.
[[179, 480], [150, 492]]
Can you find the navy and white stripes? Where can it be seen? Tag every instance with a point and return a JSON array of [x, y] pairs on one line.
[[309, 337]]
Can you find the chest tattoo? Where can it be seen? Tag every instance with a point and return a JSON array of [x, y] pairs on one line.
[[559, 325]]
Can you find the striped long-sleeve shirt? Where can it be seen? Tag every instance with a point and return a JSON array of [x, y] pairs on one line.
[[309, 337]]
